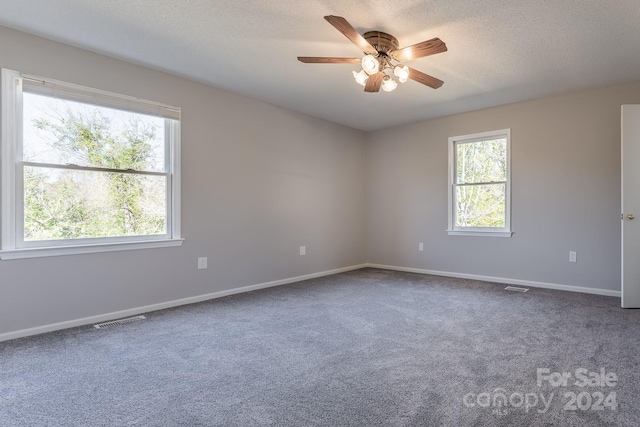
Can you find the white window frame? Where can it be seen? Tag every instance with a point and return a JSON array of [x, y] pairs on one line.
[[454, 230], [12, 244]]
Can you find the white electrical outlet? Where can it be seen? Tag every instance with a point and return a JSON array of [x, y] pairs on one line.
[[572, 256], [421, 246], [303, 250], [202, 263]]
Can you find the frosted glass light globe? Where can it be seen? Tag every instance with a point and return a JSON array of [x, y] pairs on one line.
[[370, 64], [361, 77], [389, 84], [402, 72]]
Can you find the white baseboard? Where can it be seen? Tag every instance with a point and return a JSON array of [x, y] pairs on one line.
[[153, 307], [507, 281]]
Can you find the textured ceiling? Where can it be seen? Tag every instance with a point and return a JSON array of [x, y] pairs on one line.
[[499, 51]]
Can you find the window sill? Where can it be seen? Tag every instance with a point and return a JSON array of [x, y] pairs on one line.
[[478, 233], [86, 249]]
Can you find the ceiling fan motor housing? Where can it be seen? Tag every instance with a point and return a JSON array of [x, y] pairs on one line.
[[382, 42]]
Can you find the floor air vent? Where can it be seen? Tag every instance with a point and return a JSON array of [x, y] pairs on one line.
[[118, 322], [515, 289]]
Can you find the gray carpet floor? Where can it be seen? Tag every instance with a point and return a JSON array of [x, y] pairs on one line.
[[364, 348]]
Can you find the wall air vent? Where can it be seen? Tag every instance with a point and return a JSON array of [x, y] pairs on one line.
[[515, 289], [118, 322]]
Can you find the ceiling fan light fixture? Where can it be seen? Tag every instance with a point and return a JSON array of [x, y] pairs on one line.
[[402, 72], [381, 55], [361, 77], [388, 84], [370, 64]]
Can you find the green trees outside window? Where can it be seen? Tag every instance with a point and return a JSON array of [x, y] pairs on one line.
[[91, 171], [480, 183]]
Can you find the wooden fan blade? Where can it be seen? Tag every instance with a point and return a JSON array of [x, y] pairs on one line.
[[419, 50], [423, 78], [345, 28], [374, 82], [322, 60]]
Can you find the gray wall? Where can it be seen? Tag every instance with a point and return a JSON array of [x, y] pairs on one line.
[[565, 192], [257, 182]]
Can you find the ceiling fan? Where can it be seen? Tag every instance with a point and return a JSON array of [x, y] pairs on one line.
[[381, 54]]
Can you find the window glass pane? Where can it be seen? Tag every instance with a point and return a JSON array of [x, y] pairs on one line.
[[480, 205], [64, 132], [482, 161], [73, 204]]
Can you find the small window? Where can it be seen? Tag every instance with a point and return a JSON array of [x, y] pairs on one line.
[[479, 184], [85, 170]]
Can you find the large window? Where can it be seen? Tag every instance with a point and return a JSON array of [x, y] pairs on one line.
[[84, 170], [479, 184]]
